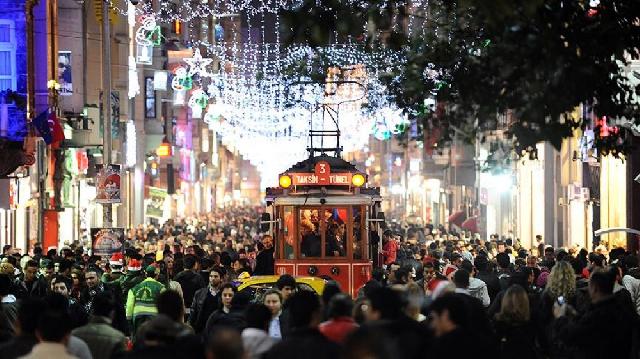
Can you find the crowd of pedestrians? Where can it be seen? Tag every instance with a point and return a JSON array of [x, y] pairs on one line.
[[173, 293]]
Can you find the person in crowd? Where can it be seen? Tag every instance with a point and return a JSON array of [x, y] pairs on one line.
[[386, 312], [56, 302], [310, 245], [189, 279], [304, 341], [490, 278], [206, 300], [265, 263], [340, 323], [77, 312], [255, 337], [141, 300], [53, 332], [79, 283], [94, 286], [586, 334], [29, 313], [225, 344], [231, 314], [389, 249], [103, 340], [514, 330], [166, 334], [631, 283], [32, 283], [504, 270], [451, 324], [273, 301], [477, 288], [9, 309]]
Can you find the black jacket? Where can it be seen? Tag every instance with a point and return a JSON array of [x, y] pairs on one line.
[[219, 319], [515, 340], [190, 282], [265, 263], [203, 305], [492, 281], [304, 343], [606, 330]]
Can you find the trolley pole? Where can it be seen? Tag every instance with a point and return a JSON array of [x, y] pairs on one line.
[[107, 217]]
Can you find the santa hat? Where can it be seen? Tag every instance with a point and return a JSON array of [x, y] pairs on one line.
[[134, 265], [449, 270], [116, 259]]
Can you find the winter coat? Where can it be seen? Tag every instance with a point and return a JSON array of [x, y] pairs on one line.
[[492, 282], [204, 303], [103, 340], [219, 319], [304, 343], [605, 330], [190, 282], [515, 339], [337, 329], [265, 263], [633, 286], [256, 342]]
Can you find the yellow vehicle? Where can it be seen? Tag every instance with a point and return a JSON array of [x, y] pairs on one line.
[[257, 285]]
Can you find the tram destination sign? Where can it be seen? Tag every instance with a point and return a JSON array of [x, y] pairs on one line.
[[311, 179], [321, 176]]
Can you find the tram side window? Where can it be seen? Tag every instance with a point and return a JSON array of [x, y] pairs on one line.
[[310, 240], [289, 233], [358, 243], [336, 232]]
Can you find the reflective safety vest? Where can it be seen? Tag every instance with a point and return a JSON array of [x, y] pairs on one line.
[[141, 299]]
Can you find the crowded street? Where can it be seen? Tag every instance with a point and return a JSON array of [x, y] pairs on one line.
[[336, 179]]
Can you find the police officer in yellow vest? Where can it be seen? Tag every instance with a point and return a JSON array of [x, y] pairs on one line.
[[141, 299]]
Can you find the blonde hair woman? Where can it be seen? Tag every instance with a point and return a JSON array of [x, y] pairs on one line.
[[561, 287], [561, 281], [514, 330]]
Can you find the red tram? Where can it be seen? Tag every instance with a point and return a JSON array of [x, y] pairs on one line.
[[323, 217]]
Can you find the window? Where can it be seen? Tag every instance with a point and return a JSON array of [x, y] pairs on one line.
[[309, 228], [288, 234], [323, 232], [7, 56], [149, 98]]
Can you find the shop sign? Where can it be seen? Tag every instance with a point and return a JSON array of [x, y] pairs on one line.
[[108, 184], [107, 241], [155, 206]]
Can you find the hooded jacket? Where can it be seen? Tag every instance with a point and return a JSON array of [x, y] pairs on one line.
[[256, 342], [633, 286], [478, 289]]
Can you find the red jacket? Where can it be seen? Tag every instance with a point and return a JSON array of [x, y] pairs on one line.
[[337, 329], [390, 251]]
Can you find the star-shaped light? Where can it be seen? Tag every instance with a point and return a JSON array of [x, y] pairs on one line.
[[198, 64]]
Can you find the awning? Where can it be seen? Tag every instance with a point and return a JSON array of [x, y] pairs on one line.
[[457, 218], [471, 225]]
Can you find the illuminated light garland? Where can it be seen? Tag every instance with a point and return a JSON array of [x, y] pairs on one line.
[[181, 81], [197, 102], [134, 85], [198, 64], [256, 104], [149, 32]]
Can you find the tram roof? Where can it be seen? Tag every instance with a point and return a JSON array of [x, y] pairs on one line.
[[337, 164]]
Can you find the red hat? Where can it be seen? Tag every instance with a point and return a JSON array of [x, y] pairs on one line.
[[134, 265], [117, 259], [449, 269]]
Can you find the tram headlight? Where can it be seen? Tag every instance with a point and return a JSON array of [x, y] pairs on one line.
[[357, 180], [285, 181]]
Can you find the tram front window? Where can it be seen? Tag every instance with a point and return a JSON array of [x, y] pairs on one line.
[[336, 232], [289, 233], [310, 241]]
